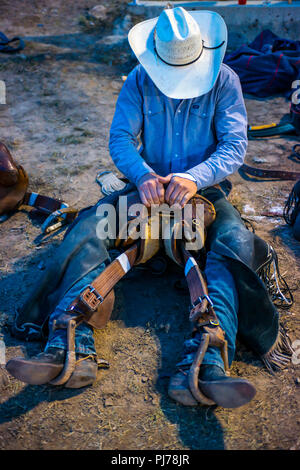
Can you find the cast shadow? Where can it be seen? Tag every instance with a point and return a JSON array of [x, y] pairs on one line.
[[156, 303], [285, 233], [163, 304], [30, 397], [14, 288], [82, 47]]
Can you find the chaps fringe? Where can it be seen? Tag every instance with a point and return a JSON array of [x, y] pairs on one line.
[[280, 354], [275, 283]]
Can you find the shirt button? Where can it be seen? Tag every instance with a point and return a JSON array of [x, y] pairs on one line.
[[177, 133], [150, 112], [179, 110], [176, 155]]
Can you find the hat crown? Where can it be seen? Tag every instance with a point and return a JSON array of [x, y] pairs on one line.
[[176, 24], [178, 38]]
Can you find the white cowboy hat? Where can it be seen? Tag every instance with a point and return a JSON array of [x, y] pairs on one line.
[[181, 51]]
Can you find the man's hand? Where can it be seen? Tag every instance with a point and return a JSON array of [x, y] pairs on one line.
[[151, 189], [180, 190]]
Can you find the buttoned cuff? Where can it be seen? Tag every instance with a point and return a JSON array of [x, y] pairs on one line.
[[202, 174], [137, 173], [186, 176]]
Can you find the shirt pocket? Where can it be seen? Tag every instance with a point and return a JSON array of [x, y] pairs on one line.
[[200, 134], [201, 126], [197, 110], [153, 130], [153, 109]]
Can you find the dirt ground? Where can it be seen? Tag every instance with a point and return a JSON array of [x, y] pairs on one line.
[[61, 91]]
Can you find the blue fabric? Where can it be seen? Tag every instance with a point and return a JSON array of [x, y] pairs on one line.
[[204, 136], [267, 66], [4, 44], [222, 291], [84, 340]]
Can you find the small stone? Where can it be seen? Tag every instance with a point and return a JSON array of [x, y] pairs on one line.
[[155, 400], [99, 12], [144, 379], [115, 85], [112, 40], [3, 378], [259, 160], [108, 402], [248, 209], [297, 381]]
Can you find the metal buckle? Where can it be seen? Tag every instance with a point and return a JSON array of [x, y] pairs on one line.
[[91, 297], [200, 300]]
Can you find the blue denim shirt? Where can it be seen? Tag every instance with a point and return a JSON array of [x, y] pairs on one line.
[[205, 137]]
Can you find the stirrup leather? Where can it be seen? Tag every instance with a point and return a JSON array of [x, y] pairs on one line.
[[205, 321], [95, 302]]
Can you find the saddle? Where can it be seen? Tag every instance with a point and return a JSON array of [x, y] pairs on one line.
[[13, 182], [158, 229], [14, 194]]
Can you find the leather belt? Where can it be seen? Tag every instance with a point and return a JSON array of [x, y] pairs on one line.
[[270, 174]]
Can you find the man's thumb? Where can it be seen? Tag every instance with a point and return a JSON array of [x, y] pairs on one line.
[[165, 179]]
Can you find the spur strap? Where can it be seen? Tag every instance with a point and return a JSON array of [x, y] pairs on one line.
[[205, 320], [44, 204], [59, 213]]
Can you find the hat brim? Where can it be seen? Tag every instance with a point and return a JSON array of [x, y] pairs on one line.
[[188, 81]]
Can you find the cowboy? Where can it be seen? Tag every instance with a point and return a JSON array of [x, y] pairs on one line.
[[188, 110]]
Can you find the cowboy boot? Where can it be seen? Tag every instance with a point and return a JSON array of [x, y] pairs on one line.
[[85, 372], [224, 391], [46, 366], [178, 386], [38, 370]]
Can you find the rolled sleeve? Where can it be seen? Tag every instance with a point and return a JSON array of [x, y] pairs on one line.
[[230, 123], [126, 126]]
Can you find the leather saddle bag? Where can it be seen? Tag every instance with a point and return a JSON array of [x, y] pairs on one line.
[[13, 182]]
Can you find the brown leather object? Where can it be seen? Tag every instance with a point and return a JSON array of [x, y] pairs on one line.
[[95, 303], [273, 174], [148, 246], [13, 182], [104, 312]]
